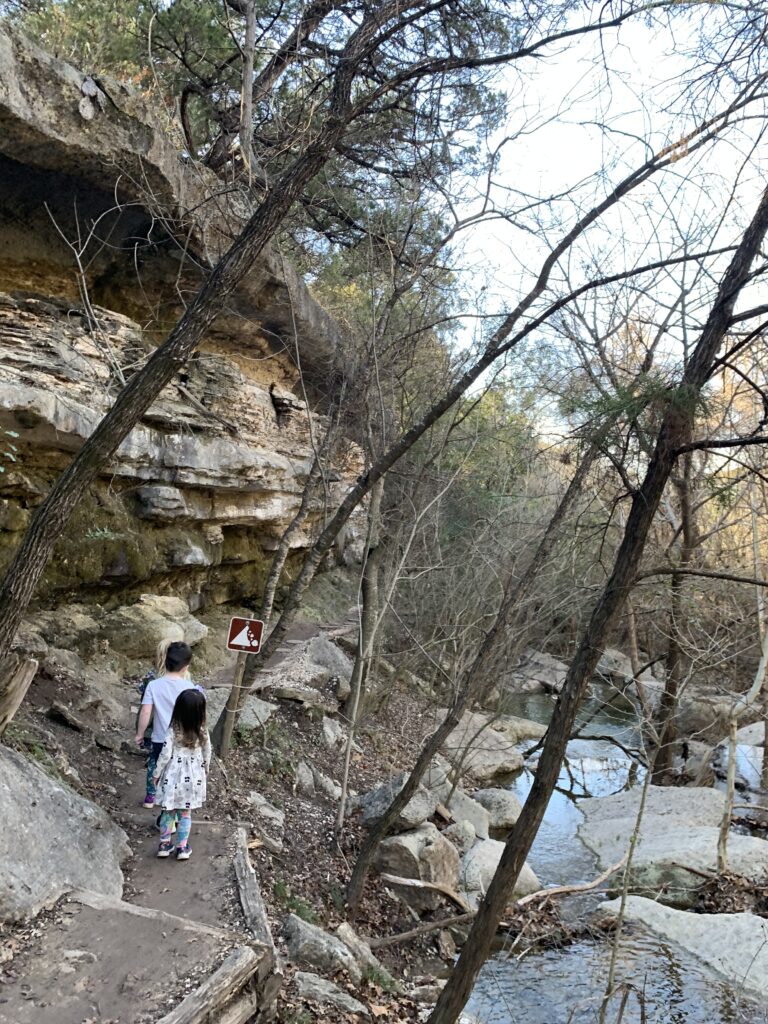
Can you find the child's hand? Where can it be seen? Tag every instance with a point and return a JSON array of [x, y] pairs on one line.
[[139, 739], [156, 780]]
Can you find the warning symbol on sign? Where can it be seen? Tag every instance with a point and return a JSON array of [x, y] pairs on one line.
[[245, 635]]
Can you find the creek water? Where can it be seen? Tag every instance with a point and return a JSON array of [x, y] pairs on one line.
[[662, 983]]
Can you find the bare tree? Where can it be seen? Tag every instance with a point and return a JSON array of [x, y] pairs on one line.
[[674, 433]]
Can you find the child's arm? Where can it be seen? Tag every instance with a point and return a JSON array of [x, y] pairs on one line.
[[165, 754], [207, 751], [145, 714]]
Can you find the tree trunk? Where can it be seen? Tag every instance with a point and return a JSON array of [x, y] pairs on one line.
[[666, 728], [16, 675], [226, 724], [473, 685], [730, 789], [675, 431], [246, 89], [366, 640]]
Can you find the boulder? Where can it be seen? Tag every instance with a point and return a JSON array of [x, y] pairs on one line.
[[464, 808], [304, 781], [363, 953], [87, 855], [254, 714], [424, 854], [752, 735], [704, 716], [535, 672], [325, 993], [462, 835], [373, 804], [614, 666], [325, 784], [309, 944], [267, 813], [136, 629], [438, 772], [677, 841], [98, 694], [479, 866], [476, 748], [325, 653], [502, 805], [733, 946], [302, 694], [518, 730], [334, 734], [665, 807]]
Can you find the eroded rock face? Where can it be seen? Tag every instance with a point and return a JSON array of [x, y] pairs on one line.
[[87, 851], [198, 494]]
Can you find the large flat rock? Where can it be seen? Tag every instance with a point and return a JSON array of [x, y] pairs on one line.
[[51, 841], [734, 946], [677, 840]]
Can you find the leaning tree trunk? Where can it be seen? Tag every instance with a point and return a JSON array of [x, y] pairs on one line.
[[366, 640], [666, 728], [675, 431], [473, 685]]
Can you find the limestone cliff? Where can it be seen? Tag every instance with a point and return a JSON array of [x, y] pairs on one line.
[[106, 230]]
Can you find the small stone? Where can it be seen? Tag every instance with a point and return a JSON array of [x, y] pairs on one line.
[[304, 783]]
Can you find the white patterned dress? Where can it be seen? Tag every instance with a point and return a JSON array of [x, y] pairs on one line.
[[182, 771]]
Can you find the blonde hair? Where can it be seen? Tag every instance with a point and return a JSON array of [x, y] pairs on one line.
[[160, 655]]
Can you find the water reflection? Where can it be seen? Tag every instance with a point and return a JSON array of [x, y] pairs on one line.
[[566, 986]]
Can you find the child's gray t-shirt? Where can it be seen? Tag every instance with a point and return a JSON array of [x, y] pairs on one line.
[[162, 693]]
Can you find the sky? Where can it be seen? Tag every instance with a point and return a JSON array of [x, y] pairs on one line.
[[569, 93], [570, 149]]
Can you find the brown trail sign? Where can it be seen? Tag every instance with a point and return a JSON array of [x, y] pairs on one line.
[[245, 635]]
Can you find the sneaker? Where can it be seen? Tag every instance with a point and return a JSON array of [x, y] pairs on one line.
[[165, 849], [183, 852], [149, 801]]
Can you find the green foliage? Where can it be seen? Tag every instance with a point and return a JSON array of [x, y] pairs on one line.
[[379, 979], [294, 904], [301, 1017]]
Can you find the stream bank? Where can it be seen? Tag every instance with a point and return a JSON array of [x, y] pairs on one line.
[[664, 983]]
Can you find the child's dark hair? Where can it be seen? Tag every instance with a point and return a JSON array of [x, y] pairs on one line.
[[178, 656], [188, 718]]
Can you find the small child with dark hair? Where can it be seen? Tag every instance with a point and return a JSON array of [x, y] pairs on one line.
[[157, 704], [181, 772]]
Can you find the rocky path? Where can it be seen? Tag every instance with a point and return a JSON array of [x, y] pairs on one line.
[[175, 949]]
